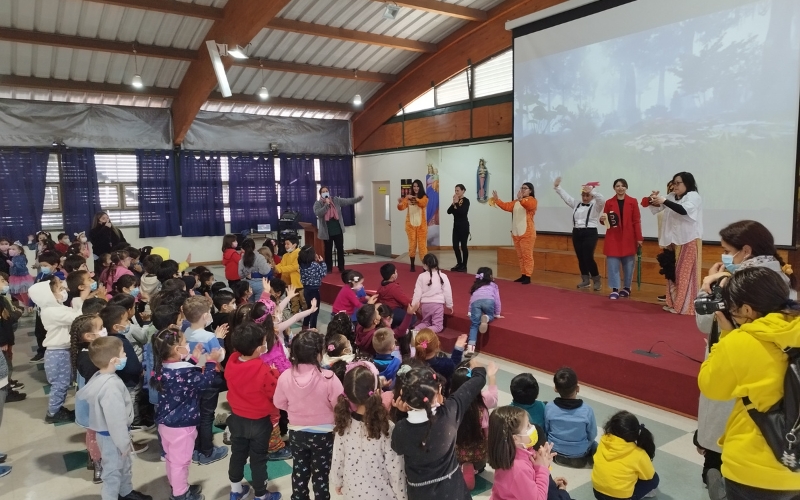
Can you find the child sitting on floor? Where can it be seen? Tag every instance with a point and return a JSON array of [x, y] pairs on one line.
[[524, 392], [570, 423], [623, 464]]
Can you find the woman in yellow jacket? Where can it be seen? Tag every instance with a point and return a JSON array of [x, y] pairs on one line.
[[416, 221], [623, 462], [749, 361], [523, 230]]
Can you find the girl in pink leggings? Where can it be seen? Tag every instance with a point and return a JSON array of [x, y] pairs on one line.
[[433, 293]]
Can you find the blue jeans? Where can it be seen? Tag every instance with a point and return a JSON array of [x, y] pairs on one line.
[[642, 488], [612, 267], [476, 310]]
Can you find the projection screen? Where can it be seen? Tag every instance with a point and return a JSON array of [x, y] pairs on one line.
[[650, 88]]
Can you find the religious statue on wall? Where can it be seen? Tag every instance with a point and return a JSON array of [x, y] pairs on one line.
[[483, 181]]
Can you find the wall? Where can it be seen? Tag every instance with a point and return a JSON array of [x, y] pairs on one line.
[[456, 164]]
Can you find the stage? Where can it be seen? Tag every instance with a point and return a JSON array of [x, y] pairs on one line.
[[547, 328]]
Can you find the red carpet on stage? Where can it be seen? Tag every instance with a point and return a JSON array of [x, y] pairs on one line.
[[547, 328]]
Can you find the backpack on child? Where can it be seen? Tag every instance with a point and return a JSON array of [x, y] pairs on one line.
[[780, 425]]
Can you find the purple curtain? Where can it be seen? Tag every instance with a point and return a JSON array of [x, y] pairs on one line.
[[80, 193], [158, 194], [22, 184], [253, 197], [298, 189], [202, 208]]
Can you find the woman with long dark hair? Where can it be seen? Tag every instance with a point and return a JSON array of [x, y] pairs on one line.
[[104, 236], [682, 231], [749, 364], [416, 220]]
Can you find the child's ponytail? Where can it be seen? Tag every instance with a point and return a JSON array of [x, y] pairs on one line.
[[504, 422], [426, 343], [361, 389], [626, 426], [432, 262], [482, 278], [420, 388], [163, 342]]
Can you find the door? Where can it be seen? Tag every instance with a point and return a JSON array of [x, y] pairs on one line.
[[382, 218]]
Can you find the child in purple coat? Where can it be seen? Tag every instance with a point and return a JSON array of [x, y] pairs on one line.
[[484, 305]]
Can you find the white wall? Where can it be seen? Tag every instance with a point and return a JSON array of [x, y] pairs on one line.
[[457, 164]]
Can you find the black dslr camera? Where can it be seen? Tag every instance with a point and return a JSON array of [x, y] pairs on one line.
[[711, 303]]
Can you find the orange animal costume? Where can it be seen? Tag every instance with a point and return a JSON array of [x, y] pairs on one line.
[[523, 231], [416, 226]]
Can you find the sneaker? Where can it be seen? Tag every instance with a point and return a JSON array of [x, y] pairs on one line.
[[652, 494], [139, 448], [226, 437], [16, 384], [89, 463], [3, 457], [662, 298], [135, 495], [243, 494], [282, 454], [15, 396], [5, 470], [163, 458], [484, 323], [97, 476], [613, 295], [62, 415], [193, 493], [669, 310], [471, 348], [270, 496], [39, 358], [716, 485], [217, 454], [285, 437], [625, 293]]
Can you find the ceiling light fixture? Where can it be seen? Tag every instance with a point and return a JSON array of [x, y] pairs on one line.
[[237, 53], [219, 68], [262, 92], [136, 82], [391, 12], [357, 100]]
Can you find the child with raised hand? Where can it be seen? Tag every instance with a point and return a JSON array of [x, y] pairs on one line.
[[83, 331], [251, 389], [180, 383], [308, 394], [521, 472], [623, 464], [427, 345], [473, 431], [433, 294], [364, 464], [484, 304], [427, 437], [347, 300], [56, 319], [312, 270]]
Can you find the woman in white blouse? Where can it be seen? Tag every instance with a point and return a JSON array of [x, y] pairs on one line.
[[585, 219], [682, 230]]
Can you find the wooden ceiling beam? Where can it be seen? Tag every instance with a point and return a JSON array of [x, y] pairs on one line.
[[443, 8], [30, 82], [169, 7], [308, 69], [349, 35], [242, 20], [282, 102], [475, 41], [96, 44]]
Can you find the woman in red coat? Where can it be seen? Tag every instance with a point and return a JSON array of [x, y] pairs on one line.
[[623, 238]]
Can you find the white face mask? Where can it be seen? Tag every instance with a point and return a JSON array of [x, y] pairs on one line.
[[102, 333], [209, 319], [186, 356], [83, 239], [63, 296]]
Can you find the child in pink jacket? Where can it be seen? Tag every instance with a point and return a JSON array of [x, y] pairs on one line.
[[309, 394], [433, 293], [520, 472]]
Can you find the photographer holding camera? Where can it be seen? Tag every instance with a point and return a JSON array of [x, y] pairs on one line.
[[746, 244], [749, 362]]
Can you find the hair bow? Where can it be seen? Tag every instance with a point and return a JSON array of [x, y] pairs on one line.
[[787, 269], [479, 276], [423, 344], [469, 372], [269, 307], [331, 347], [403, 369], [371, 393]]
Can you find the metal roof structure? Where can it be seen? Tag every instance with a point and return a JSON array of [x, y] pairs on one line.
[[314, 57]]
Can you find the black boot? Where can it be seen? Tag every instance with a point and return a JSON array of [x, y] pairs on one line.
[[520, 279], [526, 280], [413, 269]]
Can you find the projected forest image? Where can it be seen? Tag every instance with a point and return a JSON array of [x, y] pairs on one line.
[[714, 95]]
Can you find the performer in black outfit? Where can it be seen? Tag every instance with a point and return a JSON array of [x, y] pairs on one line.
[[460, 210]]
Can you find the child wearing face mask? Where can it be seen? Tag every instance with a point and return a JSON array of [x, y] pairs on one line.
[[180, 383], [56, 319], [521, 462], [83, 331], [19, 277]]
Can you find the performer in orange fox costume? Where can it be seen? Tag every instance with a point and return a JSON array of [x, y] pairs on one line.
[[416, 223], [523, 230]]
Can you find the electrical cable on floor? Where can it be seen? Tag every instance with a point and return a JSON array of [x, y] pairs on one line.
[[674, 350]]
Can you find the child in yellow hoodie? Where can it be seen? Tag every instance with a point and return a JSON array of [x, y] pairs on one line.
[[623, 463], [289, 269]]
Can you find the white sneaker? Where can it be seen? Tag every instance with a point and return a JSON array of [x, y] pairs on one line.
[[652, 494], [484, 323]]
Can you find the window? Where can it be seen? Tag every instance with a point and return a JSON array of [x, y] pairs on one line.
[[495, 76], [453, 90], [52, 217], [425, 101]]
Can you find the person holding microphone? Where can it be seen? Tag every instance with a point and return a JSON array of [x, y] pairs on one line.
[[585, 218], [330, 226]]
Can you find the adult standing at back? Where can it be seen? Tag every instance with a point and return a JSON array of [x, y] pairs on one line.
[[330, 226], [682, 230], [104, 236], [460, 211], [585, 219], [623, 238]]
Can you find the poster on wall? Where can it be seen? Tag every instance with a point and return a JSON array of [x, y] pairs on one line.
[[433, 158]]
